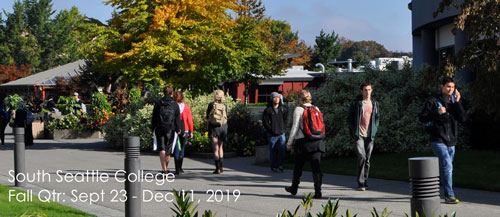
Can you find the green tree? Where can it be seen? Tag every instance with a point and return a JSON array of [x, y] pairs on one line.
[[362, 51], [23, 46], [5, 57], [32, 38], [327, 48], [480, 20], [65, 32], [251, 8]]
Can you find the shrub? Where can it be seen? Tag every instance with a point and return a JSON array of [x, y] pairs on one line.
[[199, 105], [12, 101], [123, 125], [136, 102], [152, 93], [244, 133], [99, 113], [201, 142], [67, 105], [69, 121], [401, 94]]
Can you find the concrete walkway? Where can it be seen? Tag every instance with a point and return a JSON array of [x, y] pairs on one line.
[[262, 192]]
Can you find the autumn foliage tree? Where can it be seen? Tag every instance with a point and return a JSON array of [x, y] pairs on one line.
[[12, 72], [191, 44]]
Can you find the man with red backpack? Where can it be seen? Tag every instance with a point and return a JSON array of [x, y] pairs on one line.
[[363, 121], [307, 133], [166, 121]]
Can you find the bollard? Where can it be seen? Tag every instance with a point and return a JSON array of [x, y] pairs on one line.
[[133, 166], [19, 159], [424, 179]]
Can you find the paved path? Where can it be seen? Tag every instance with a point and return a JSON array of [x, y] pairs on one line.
[[261, 190]]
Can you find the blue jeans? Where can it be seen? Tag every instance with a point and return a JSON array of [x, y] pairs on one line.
[[277, 150], [445, 154], [180, 153]]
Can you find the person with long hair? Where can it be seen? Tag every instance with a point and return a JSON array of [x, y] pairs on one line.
[[217, 128], [304, 148], [187, 119]]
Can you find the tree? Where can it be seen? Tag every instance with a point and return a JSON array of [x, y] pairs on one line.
[[5, 57], [32, 38], [63, 45], [190, 44], [12, 72], [327, 48], [23, 46], [480, 20], [251, 8], [362, 51]]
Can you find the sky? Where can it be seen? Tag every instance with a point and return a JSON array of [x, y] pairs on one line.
[[387, 22]]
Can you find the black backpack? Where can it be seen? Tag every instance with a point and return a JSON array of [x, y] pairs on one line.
[[167, 117]]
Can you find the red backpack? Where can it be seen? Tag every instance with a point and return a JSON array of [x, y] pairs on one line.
[[313, 126]]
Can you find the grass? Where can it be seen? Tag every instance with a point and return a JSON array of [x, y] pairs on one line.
[[471, 169], [34, 208]]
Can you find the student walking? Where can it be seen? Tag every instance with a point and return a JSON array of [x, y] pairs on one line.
[[363, 121], [187, 119], [4, 120], [24, 118], [166, 121], [441, 114], [217, 128], [307, 145], [274, 120]]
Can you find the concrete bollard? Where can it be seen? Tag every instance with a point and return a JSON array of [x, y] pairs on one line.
[[132, 167], [19, 155], [424, 179]]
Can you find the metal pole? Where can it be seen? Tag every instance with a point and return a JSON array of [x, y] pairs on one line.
[[424, 179], [19, 153], [133, 176]]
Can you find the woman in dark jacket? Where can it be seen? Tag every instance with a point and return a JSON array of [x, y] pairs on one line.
[[24, 119], [4, 120]]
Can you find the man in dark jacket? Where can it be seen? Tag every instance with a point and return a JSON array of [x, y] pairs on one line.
[[363, 120], [441, 115], [274, 120], [166, 121], [4, 120]]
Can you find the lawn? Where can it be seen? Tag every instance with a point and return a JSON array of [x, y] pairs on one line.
[[471, 169], [35, 208]]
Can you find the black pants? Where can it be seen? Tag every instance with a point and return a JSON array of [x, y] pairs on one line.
[[28, 135], [2, 132], [300, 159]]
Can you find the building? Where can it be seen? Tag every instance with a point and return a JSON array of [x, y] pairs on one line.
[[433, 39], [382, 63], [294, 79], [42, 82]]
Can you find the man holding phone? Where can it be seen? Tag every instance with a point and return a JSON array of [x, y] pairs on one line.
[[443, 112]]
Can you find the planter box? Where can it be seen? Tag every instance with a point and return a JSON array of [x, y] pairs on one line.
[[75, 134], [261, 153], [38, 129]]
